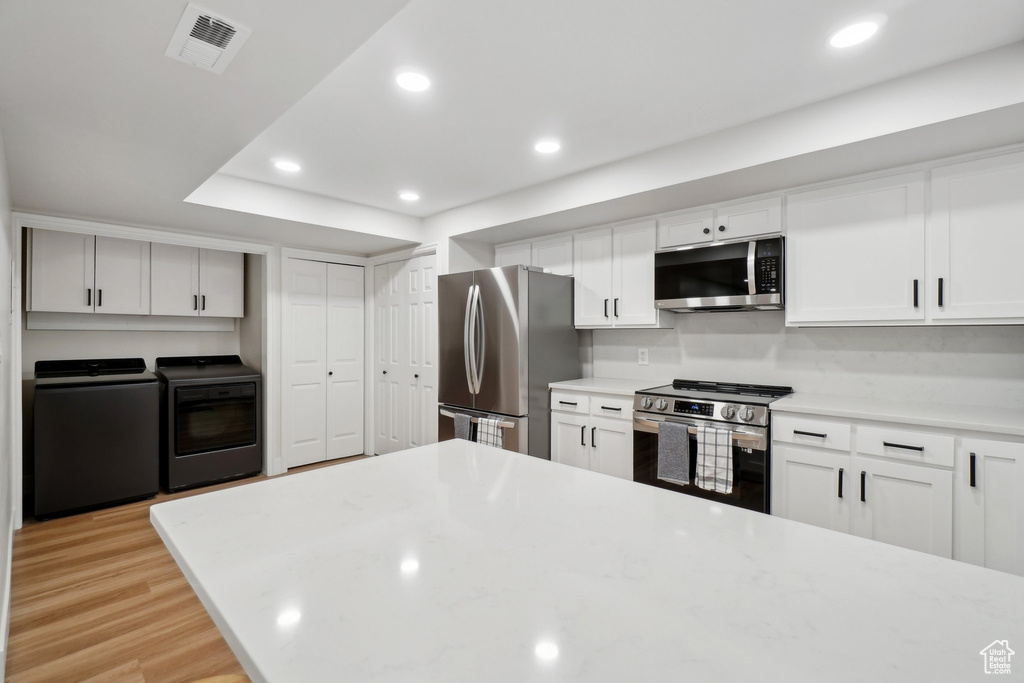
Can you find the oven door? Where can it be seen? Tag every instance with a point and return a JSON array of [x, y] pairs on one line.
[[214, 418], [751, 454]]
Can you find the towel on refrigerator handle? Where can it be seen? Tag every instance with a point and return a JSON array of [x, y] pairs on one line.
[[463, 427], [714, 459], [488, 432]]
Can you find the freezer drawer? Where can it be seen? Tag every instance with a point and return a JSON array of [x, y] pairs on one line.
[[515, 438]]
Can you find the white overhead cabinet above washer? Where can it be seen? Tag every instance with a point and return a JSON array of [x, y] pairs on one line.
[[192, 281]]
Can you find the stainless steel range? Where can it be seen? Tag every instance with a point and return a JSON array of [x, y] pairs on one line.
[[744, 409]]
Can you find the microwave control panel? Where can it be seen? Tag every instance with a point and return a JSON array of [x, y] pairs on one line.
[[768, 266]]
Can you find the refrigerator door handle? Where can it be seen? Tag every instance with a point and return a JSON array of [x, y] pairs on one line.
[[473, 308], [480, 344], [465, 338]]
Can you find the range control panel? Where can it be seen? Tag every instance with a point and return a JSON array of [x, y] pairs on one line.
[[690, 408], [768, 266]]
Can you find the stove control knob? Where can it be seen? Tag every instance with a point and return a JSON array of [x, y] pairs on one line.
[[646, 402], [747, 414], [662, 404], [728, 412]]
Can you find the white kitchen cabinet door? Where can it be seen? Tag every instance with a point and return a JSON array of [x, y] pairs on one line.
[[746, 219], [344, 361], [174, 280], [611, 447], [633, 275], [62, 278], [122, 276], [976, 237], [513, 255], [813, 487], [855, 253], [553, 255], [906, 505], [570, 443], [305, 362], [221, 283], [990, 504], [592, 271], [692, 227]]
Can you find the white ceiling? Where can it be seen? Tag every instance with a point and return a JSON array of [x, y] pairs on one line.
[[610, 79]]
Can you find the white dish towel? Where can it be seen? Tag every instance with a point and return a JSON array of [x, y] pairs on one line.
[[488, 432], [714, 459]]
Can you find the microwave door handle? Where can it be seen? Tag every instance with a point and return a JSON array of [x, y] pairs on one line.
[[466, 344], [751, 280]]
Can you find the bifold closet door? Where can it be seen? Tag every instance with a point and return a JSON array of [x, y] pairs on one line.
[[344, 361]]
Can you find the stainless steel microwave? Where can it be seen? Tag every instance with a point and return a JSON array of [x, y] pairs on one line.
[[733, 276]]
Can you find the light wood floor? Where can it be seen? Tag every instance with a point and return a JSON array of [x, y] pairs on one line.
[[97, 597]]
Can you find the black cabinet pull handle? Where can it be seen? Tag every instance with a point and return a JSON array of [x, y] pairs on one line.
[[863, 481], [99, 297], [721, 228], [415, 376], [330, 373], [384, 371], [840, 482], [973, 458], [606, 308], [204, 301], [568, 403], [940, 291], [915, 294], [88, 297], [618, 410], [583, 435], [615, 308], [707, 231], [195, 302], [814, 434], [593, 444], [903, 446]]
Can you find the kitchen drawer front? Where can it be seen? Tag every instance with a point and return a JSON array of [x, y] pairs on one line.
[[570, 402], [902, 444], [811, 432], [606, 405]]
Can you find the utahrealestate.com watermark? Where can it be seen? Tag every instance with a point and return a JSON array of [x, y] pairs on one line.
[[997, 657]]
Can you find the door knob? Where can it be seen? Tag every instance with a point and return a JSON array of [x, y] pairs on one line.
[[385, 372], [416, 376], [331, 372]]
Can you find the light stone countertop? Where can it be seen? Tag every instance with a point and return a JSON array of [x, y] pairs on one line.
[[460, 562], [606, 385], [966, 417]]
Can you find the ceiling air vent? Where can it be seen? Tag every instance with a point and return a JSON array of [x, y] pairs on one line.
[[206, 40]]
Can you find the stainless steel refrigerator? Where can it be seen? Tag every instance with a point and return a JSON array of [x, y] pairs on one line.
[[505, 333]]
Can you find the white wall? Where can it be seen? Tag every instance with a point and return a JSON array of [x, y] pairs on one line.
[[982, 365], [9, 388]]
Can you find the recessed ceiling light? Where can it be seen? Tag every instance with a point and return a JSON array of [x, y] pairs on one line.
[[413, 81], [853, 34], [288, 166], [408, 196], [547, 146]]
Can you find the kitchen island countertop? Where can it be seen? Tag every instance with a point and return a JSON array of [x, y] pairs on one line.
[[460, 562]]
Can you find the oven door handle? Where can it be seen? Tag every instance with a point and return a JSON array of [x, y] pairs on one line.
[[747, 439]]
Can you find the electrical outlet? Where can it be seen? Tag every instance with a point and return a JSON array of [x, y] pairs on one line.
[[642, 356]]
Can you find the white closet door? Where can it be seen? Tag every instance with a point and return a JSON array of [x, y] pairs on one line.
[[419, 311], [305, 362], [174, 274], [344, 361], [388, 338], [122, 276]]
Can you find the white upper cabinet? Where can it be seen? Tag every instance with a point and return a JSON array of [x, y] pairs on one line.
[[990, 504], [221, 283], [855, 253], [174, 274], [633, 275], [62, 277], [691, 227], [553, 255], [512, 255], [592, 267], [976, 233], [719, 224], [122, 276]]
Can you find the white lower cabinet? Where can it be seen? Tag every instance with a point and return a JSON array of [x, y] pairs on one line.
[[990, 504], [812, 486], [583, 435]]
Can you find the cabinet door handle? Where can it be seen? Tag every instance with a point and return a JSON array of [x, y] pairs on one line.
[[840, 482], [606, 308], [903, 446], [583, 435], [88, 297], [707, 231], [863, 483], [593, 444], [615, 308], [814, 434], [973, 458], [618, 410], [721, 228], [915, 294], [415, 376], [330, 373], [567, 403], [195, 302], [940, 291], [99, 298], [204, 302]]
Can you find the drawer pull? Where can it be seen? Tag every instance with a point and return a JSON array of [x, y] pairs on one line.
[[618, 410], [568, 403], [903, 446], [973, 458], [863, 482], [840, 482], [814, 434]]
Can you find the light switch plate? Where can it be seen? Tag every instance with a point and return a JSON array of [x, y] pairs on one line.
[[642, 357]]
